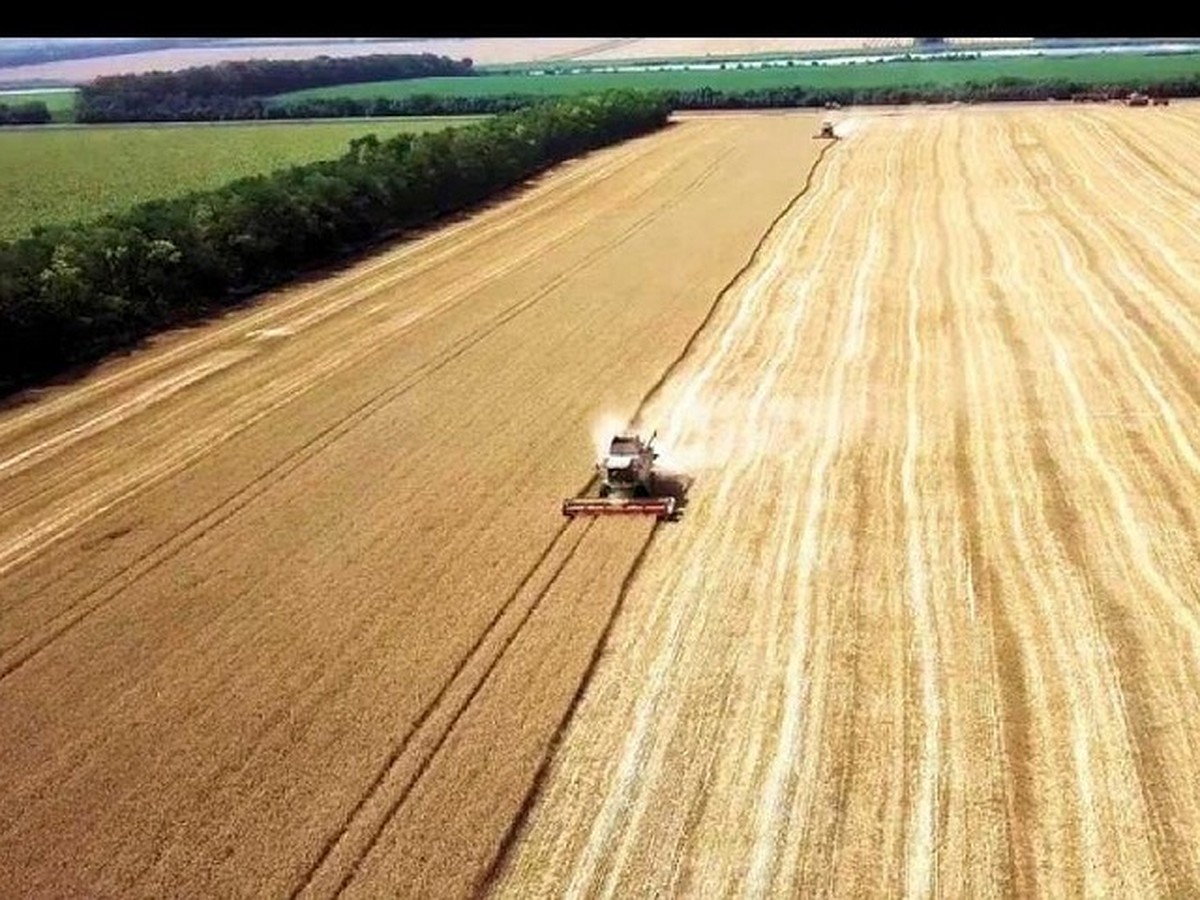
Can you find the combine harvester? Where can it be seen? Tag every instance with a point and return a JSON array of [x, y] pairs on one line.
[[628, 483], [826, 131]]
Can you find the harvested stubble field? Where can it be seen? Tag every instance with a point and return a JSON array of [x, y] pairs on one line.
[[287, 607]]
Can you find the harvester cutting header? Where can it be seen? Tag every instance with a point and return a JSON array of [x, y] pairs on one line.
[[629, 482]]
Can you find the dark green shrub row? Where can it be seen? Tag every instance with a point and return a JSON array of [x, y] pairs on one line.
[[32, 113]]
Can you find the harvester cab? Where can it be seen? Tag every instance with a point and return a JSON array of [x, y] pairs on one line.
[[628, 485], [826, 131], [628, 467]]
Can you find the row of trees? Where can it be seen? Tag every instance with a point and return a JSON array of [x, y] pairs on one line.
[[415, 105], [32, 113], [1002, 89], [179, 108], [68, 294], [228, 90], [220, 107]]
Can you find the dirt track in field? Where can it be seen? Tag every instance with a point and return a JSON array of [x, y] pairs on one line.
[[288, 595], [932, 625], [287, 607]]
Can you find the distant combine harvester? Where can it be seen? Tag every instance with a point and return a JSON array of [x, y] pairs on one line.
[[1134, 98]]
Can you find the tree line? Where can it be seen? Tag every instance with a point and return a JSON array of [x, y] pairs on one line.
[[230, 90], [214, 107], [34, 112], [218, 108], [1004, 89], [70, 293]]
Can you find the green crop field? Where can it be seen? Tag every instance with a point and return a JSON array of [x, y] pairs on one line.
[[54, 175], [1093, 69]]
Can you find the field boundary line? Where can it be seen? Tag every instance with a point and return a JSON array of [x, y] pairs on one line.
[[725, 289]]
